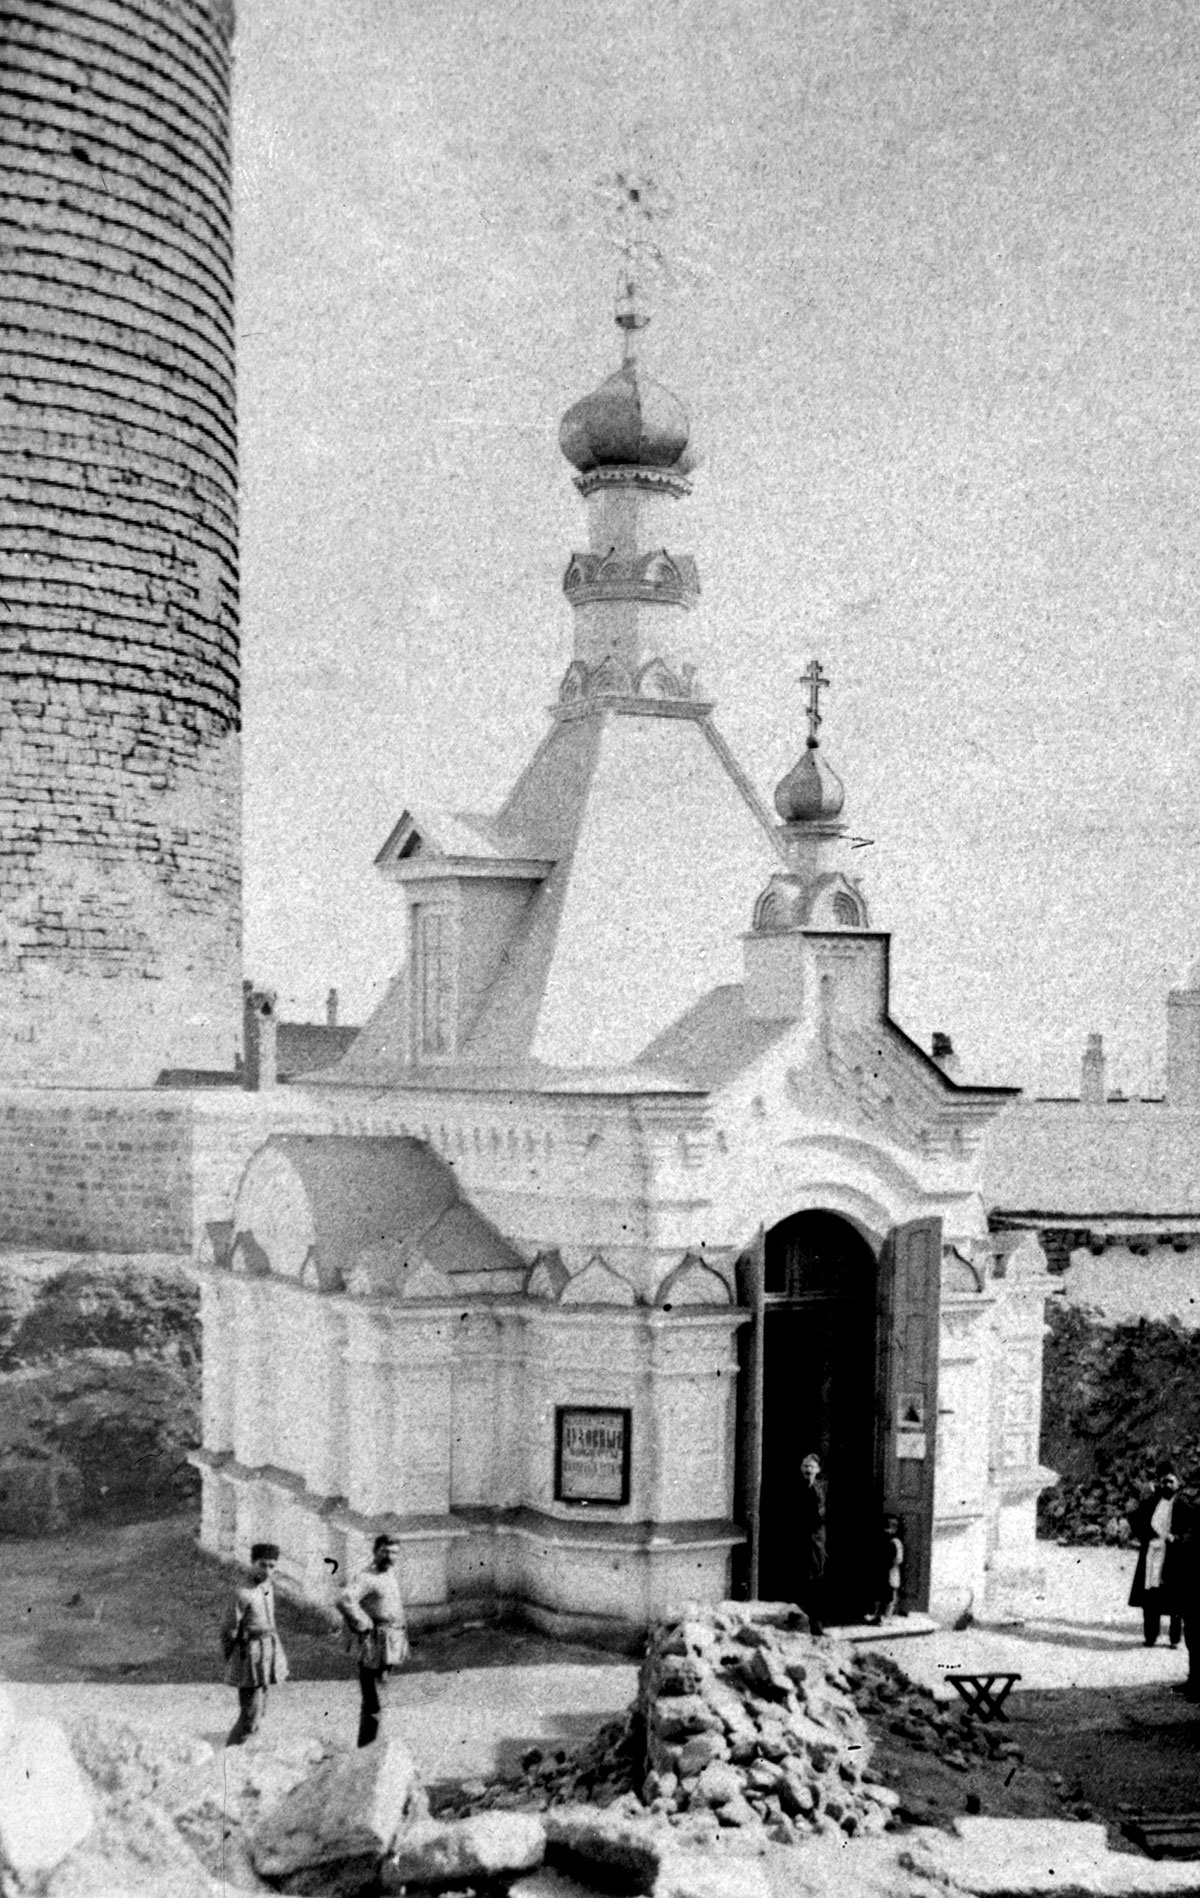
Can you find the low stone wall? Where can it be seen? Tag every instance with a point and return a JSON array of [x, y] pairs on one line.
[[99, 1388]]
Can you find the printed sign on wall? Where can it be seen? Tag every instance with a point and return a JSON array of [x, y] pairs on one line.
[[591, 1462]]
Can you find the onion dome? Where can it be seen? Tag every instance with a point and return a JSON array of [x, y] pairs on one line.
[[811, 792], [628, 422]]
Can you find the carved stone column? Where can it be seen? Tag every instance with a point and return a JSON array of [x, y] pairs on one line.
[[1017, 1475]]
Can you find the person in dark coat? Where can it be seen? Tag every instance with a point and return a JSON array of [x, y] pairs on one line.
[[1185, 1562], [1154, 1588], [253, 1652], [810, 1544]]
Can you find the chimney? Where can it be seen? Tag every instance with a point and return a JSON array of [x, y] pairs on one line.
[[1091, 1078], [331, 1009], [261, 1071], [942, 1050]]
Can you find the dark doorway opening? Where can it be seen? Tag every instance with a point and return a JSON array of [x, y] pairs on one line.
[[818, 1394]]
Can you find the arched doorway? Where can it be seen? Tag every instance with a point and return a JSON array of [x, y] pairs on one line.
[[819, 1373]]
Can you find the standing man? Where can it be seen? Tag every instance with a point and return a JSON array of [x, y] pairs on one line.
[[373, 1612], [810, 1544], [1154, 1585], [251, 1644], [1185, 1549]]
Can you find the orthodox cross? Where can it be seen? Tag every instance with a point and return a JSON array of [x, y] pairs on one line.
[[814, 678], [636, 205]]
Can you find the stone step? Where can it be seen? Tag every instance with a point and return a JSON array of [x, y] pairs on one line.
[[1163, 1834], [899, 1629]]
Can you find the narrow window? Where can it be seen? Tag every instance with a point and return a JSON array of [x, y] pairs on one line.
[[434, 984]]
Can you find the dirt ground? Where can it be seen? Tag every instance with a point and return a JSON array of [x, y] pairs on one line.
[[140, 1603]]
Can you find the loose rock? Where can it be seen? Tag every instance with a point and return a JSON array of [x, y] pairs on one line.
[[487, 1847], [350, 1808], [45, 1804]]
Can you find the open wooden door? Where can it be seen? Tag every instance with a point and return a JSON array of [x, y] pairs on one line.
[[910, 1272], [751, 1280]]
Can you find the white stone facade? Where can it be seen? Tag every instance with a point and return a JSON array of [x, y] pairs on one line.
[[500, 1281], [430, 1407]]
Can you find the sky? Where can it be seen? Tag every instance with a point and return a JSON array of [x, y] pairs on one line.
[[931, 301]]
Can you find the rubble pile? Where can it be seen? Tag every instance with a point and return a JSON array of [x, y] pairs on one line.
[[607, 1771], [100, 1382], [1117, 1399], [748, 1718], [884, 1694]]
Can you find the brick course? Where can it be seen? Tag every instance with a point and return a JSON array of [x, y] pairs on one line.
[[119, 763]]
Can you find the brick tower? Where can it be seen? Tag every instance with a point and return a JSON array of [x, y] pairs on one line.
[[120, 846]]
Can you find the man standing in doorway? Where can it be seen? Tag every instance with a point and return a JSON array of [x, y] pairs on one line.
[[373, 1612], [810, 1544], [251, 1645]]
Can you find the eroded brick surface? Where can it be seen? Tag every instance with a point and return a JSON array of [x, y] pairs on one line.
[[119, 769]]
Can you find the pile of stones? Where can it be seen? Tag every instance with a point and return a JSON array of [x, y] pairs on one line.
[[883, 1692], [608, 1771], [746, 1717], [743, 1723]]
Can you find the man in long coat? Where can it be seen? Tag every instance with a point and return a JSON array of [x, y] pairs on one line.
[[810, 1543], [250, 1642], [1155, 1579]]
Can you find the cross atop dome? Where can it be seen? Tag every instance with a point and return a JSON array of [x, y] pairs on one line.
[[637, 204], [811, 792], [631, 421], [814, 678]]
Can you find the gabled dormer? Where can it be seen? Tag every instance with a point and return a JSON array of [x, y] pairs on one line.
[[467, 880]]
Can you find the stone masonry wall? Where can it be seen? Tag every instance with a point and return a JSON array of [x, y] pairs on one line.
[[96, 1173], [119, 767]]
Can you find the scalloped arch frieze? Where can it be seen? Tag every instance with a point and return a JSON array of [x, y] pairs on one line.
[[693, 1282], [655, 682], [669, 579], [548, 1277], [597, 1284]]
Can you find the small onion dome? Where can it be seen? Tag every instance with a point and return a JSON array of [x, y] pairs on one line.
[[628, 422], [810, 792]]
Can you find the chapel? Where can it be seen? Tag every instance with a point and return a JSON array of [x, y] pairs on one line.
[[631, 1193]]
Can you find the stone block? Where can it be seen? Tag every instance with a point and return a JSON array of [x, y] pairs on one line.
[[547, 1883], [349, 1808], [45, 1803], [681, 1715], [695, 1754], [710, 1875], [619, 1851], [679, 1674], [458, 1852], [717, 1785]]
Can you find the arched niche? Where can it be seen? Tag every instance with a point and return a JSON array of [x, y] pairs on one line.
[[598, 1284], [692, 1282]]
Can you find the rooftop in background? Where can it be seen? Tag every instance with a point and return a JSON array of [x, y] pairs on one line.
[[303, 1047]]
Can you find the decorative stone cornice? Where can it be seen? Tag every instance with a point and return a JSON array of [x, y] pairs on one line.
[[828, 900], [658, 480], [666, 579], [611, 682]]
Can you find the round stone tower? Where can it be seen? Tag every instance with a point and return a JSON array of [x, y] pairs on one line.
[[120, 846]]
